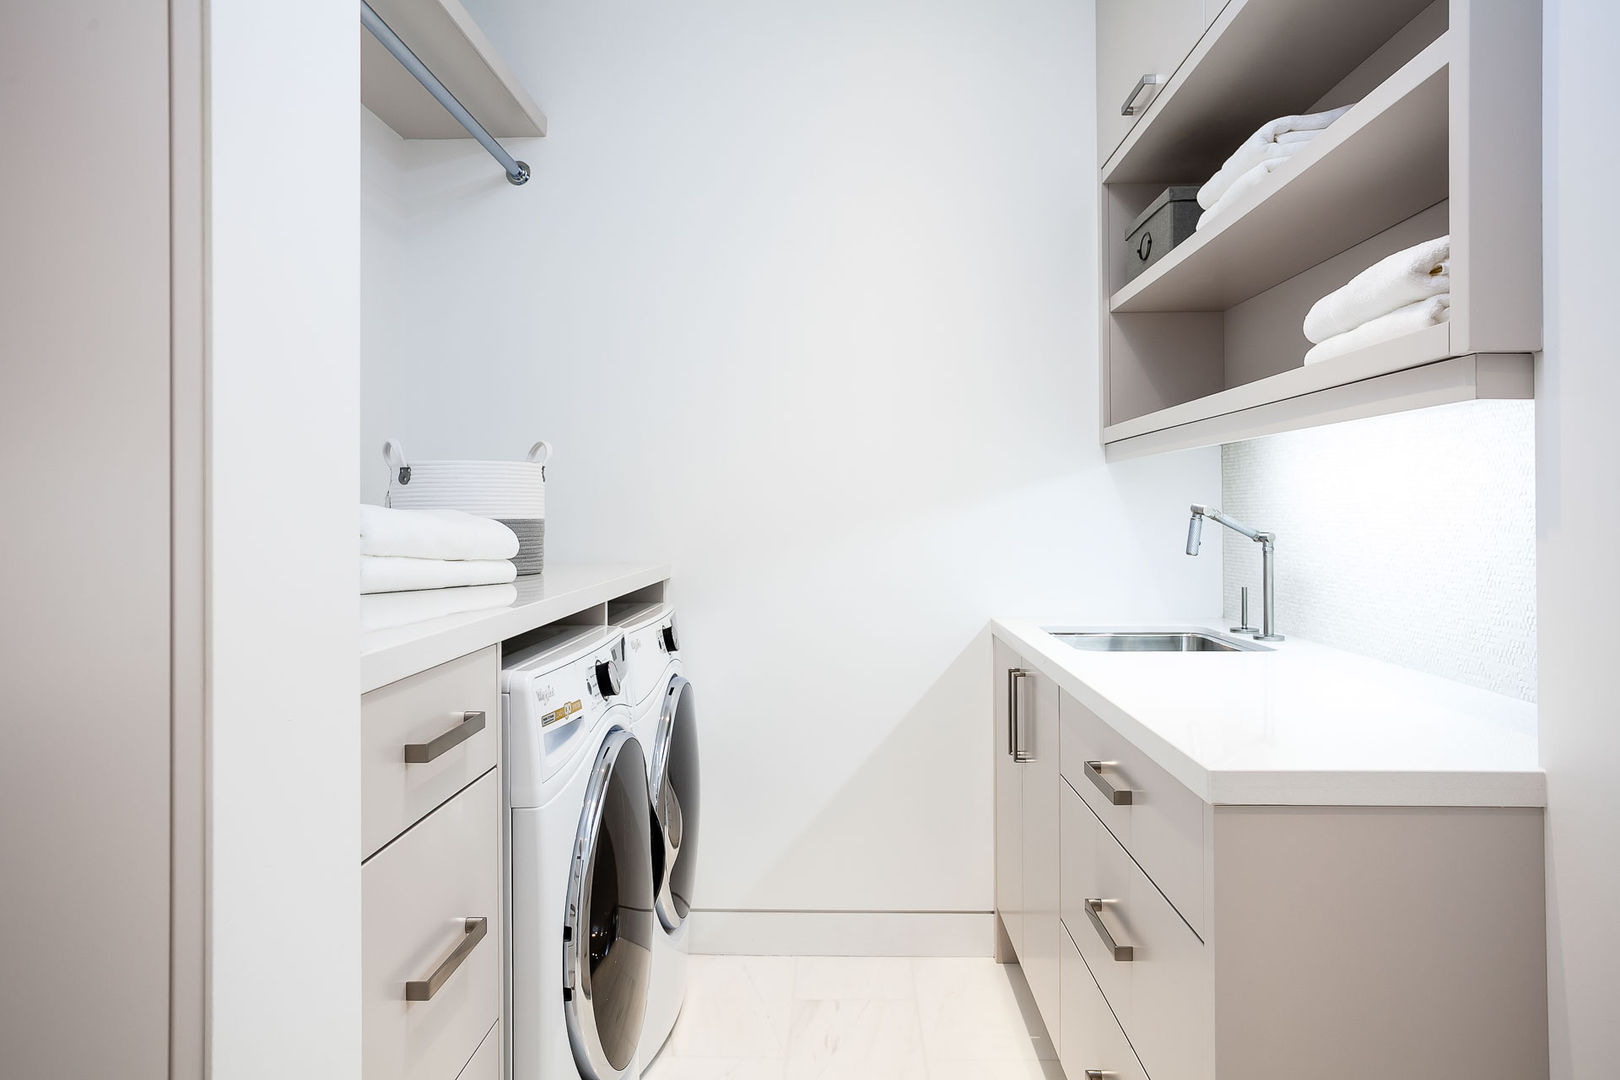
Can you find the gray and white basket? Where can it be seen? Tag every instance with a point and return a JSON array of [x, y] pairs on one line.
[[511, 492]]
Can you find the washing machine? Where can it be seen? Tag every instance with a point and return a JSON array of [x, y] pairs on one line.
[[664, 711], [581, 918]]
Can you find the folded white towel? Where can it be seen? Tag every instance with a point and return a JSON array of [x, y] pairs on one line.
[[433, 534], [1409, 319], [381, 610], [1278, 138], [391, 573], [1244, 184], [1419, 272]]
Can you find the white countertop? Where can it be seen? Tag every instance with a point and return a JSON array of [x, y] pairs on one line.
[[1302, 724], [393, 653]]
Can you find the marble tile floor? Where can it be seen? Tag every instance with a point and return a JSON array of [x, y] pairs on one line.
[[855, 1018]]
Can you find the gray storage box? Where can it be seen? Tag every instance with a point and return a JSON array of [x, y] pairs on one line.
[[1167, 221]]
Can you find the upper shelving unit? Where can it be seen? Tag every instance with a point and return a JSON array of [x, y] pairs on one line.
[[444, 37], [1206, 345], [1442, 136]]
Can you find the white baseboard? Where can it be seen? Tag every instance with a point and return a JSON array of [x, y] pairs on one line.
[[843, 933]]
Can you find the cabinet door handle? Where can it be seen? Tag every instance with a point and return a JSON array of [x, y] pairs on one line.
[[1119, 796], [472, 934], [1129, 108], [1100, 1074], [1015, 712], [420, 753], [1122, 953]]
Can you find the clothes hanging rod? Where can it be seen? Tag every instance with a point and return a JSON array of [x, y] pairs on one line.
[[517, 172]]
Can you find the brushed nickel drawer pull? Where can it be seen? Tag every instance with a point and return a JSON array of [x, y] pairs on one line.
[[1015, 720], [1122, 953], [1099, 1074], [1129, 108], [420, 753], [1119, 796], [424, 989]]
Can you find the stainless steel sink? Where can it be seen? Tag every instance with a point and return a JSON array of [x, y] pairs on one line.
[[1153, 641]]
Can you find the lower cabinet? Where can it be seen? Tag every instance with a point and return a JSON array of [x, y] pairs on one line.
[[431, 941], [1038, 725], [1027, 828], [1009, 775], [1168, 938], [1153, 969]]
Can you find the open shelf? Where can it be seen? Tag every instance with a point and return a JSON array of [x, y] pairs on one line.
[[1311, 397], [444, 37], [1377, 165], [1260, 59], [1411, 350]]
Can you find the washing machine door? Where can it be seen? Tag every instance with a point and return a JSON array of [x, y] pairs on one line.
[[675, 800], [609, 926]]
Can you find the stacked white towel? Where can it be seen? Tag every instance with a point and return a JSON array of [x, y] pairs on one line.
[[1258, 157], [391, 573], [433, 534], [381, 610], [409, 550], [1407, 291]]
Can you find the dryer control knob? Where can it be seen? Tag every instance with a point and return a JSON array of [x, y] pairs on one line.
[[671, 643], [607, 677]]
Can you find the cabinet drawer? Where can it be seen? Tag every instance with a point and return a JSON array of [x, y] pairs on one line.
[[1090, 869], [1161, 824], [1091, 1039], [486, 1063], [1155, 973], [419, 899], [428, 712]]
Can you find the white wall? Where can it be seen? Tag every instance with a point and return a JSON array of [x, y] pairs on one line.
[[1409, 537], [804, 296], [284, 869], [1579, 520]]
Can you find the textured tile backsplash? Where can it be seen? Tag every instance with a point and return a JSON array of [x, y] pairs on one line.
[[1409, 537]]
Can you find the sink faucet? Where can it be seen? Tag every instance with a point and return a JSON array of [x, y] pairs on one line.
[[1267, 542]]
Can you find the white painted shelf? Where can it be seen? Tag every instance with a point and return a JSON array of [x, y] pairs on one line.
[[1376, 166], [562, 591], [444, 37], [1328, 393]]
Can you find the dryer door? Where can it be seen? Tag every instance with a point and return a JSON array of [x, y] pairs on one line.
[[609, 927], [675, 799]]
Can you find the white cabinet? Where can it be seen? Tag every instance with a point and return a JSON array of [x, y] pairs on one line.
[[430, 928], [1168, 937], [1027, 880], [1138, 40], [1038, 733], [100, 783], [431, 941], [1009, 806]]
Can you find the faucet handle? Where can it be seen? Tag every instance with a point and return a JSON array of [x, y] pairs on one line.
[[1243, 614]]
